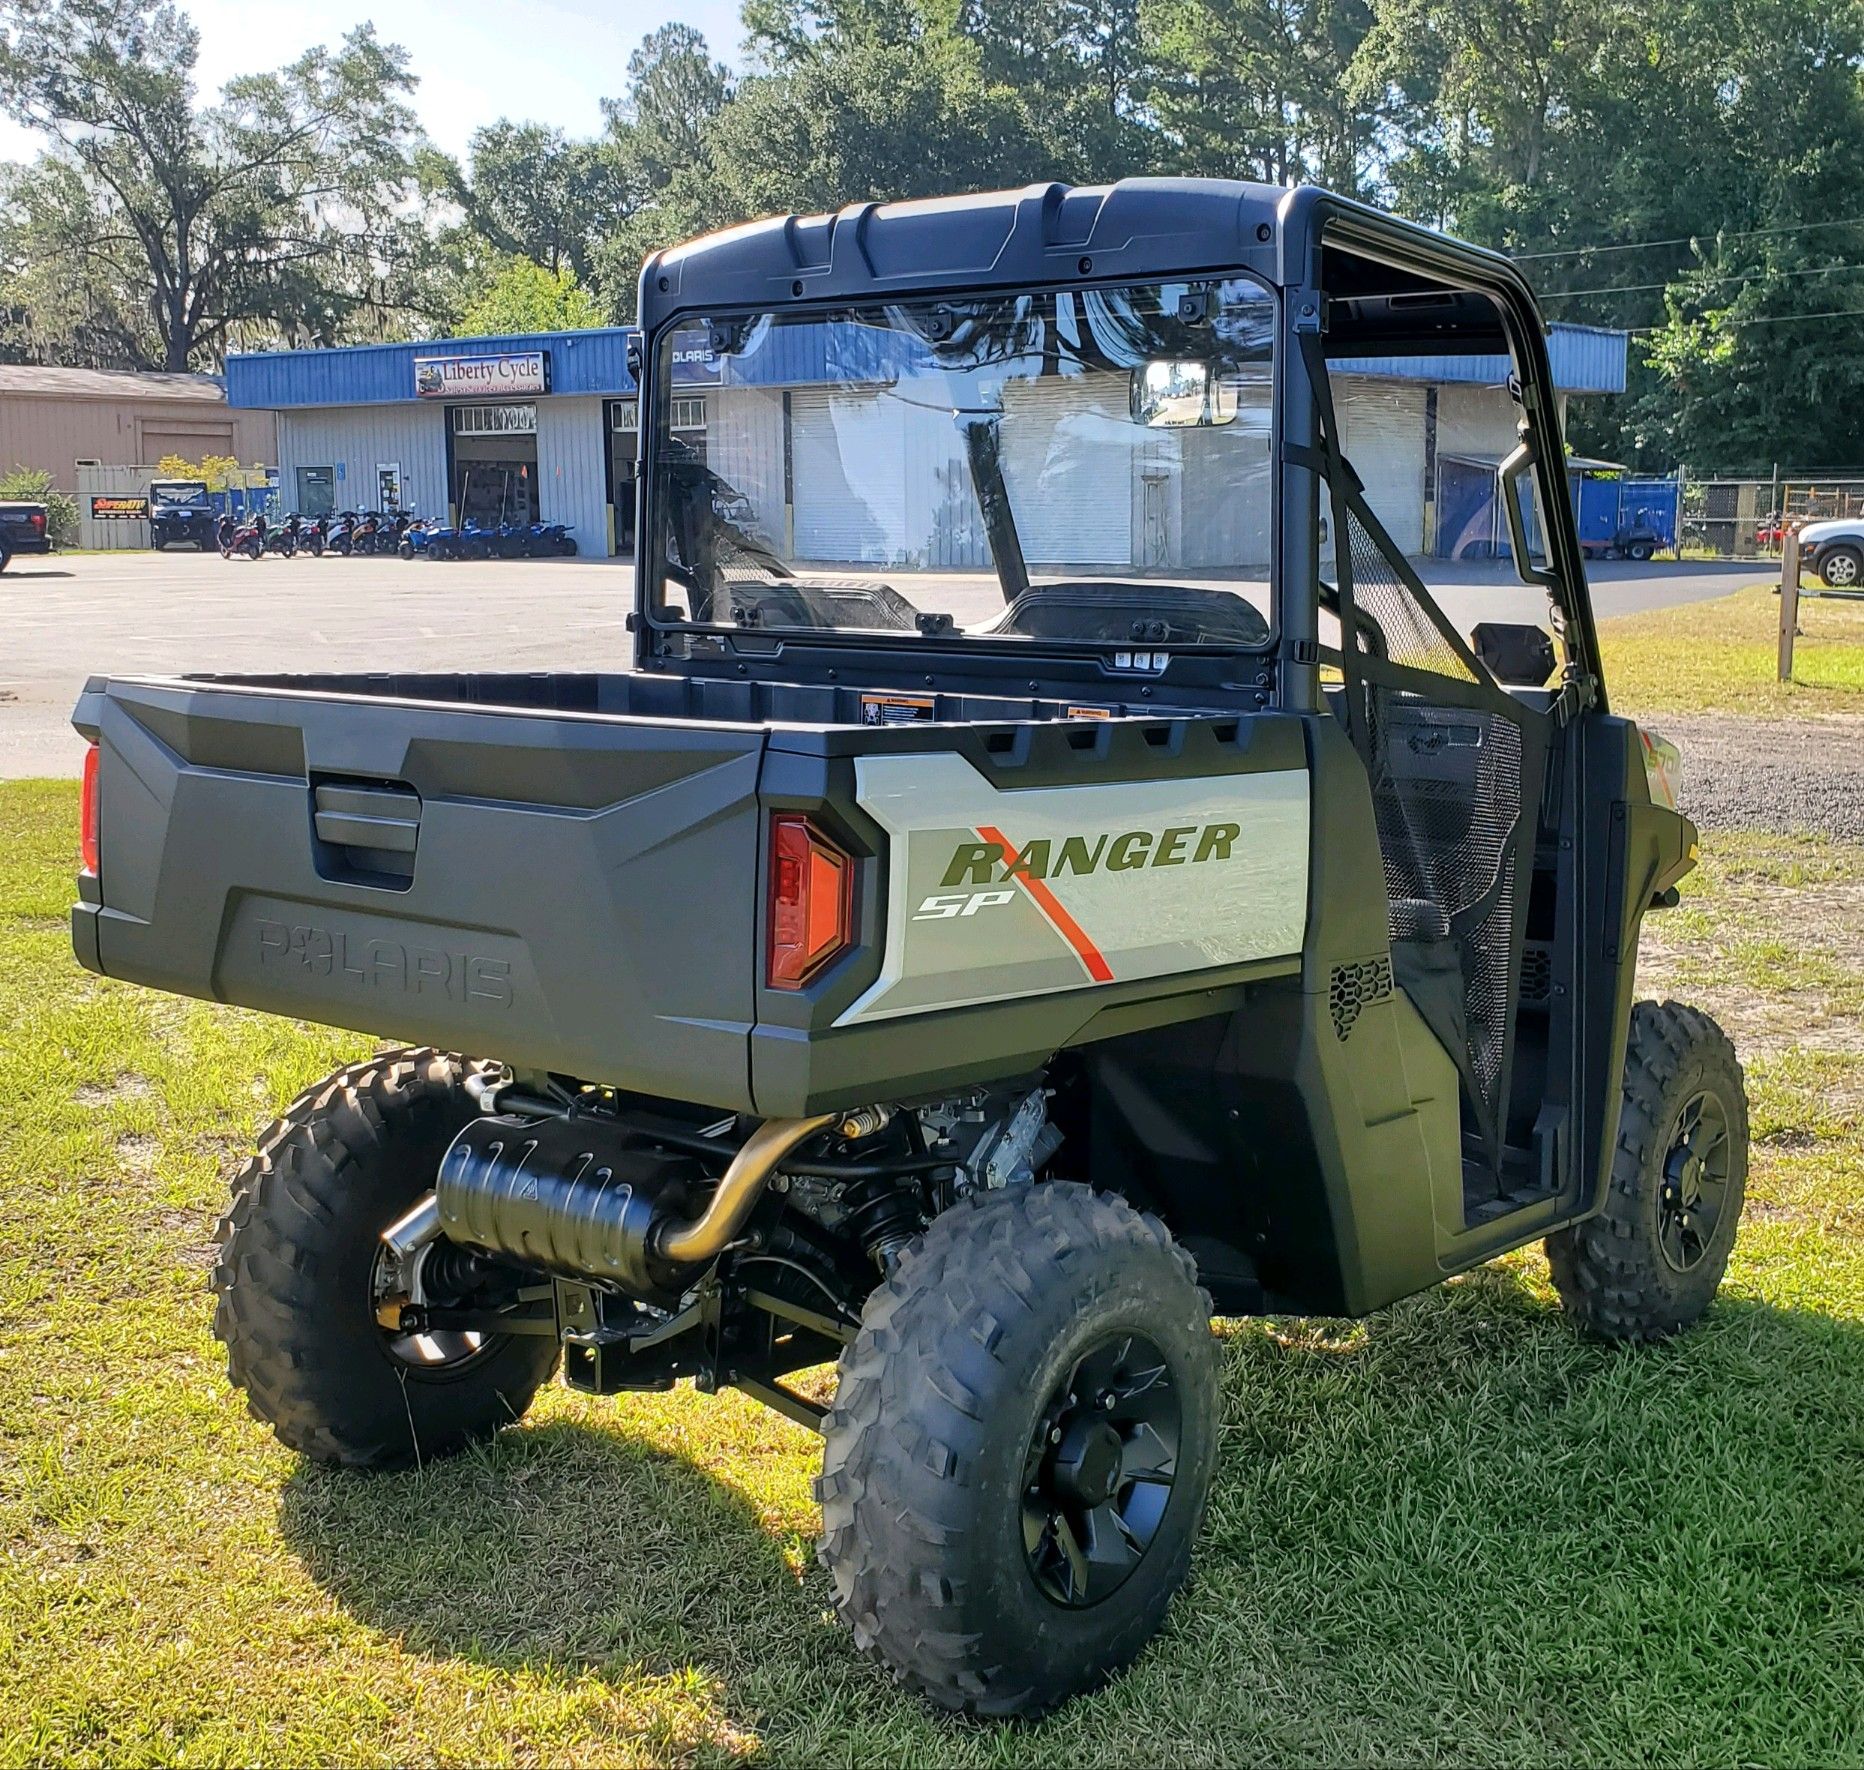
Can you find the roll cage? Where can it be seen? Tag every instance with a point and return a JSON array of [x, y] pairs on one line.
[[1351, 282]]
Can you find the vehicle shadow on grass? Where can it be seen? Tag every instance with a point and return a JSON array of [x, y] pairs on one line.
[[1396, 1502]]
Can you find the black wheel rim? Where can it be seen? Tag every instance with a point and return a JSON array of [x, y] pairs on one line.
[[1098, 1474], [1694, 1190]]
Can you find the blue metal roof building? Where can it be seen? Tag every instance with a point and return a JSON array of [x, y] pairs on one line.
[[1586, 359], [543, 424]]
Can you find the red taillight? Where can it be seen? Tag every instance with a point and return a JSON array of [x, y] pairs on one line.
[[811, 901], [38, 522], [87, 812]]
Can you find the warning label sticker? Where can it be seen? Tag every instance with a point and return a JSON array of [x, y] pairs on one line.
[[896, 709]]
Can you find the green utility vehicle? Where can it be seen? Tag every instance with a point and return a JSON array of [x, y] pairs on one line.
[[1052, 872]]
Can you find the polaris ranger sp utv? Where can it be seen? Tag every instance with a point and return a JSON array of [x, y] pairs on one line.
[[1052, 872]]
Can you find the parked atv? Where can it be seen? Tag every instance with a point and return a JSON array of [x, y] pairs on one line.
[[976, 1004], [549, 540]]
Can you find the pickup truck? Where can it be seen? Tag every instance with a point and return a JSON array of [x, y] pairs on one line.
[[24, 528], [1050, 870]]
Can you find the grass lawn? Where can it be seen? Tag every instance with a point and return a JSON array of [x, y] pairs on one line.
[[1721, 656], [1455, 1532]]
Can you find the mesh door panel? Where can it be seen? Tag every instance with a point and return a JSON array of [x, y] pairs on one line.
[[1446, 795], [1411, 636]]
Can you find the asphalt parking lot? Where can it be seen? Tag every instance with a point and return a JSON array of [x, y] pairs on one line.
[[75, 615]]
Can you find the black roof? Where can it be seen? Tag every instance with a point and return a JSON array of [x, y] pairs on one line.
[[1139, 228], [1045, 232]]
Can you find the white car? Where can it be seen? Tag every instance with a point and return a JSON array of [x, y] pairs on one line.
[[1835, 550]]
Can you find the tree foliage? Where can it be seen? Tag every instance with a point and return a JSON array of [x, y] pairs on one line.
[[154, 226], [1680, 168], [526, 297]]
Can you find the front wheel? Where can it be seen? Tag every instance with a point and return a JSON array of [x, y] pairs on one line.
[[1842, 568], [1649, 1264], [300, 1274], [566, 545], [1022, 1440], [1639, 551]]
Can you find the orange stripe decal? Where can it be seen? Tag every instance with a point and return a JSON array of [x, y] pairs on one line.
[[1045, 900]]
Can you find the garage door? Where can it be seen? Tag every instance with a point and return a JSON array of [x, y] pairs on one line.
[[1069, 447], [848, 461], [1229, 487], [1382, 426], [190, 445]]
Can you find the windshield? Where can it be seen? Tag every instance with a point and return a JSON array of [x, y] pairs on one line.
[[1088, 466]]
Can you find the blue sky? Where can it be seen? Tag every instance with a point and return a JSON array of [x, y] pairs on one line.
[[478, 60]]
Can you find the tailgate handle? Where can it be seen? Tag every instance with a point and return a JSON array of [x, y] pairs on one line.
[[366, 833]]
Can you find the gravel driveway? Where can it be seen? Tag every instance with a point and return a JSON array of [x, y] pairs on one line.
[[1785, 775]]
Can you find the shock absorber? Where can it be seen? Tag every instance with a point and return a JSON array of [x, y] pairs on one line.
[[885, 1213]]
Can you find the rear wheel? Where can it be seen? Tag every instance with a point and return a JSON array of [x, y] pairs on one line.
[[1842, 568], [1021, 1444], [301, 1268], [566, 545], [1649, 1264], [1640, 551]]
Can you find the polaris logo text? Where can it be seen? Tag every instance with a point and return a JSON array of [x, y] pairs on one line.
[[985, 863], [387, 964]]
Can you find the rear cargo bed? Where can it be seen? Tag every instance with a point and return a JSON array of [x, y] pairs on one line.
[[575, 891]]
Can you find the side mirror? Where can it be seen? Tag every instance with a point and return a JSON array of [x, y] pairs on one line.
[[1180, 395], [1514, 653]]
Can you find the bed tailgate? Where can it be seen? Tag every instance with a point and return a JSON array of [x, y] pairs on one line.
[[571, 892]]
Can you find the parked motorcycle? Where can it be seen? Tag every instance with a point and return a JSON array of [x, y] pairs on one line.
[[248, 539], [224, 531], [282, 540], [311, 533]]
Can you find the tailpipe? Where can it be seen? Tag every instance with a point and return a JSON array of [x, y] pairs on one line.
[[706, 1236]]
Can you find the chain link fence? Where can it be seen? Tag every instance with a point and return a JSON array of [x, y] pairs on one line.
[[1748, 518]]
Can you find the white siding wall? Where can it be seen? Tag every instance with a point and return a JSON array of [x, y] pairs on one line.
[[1476, 421], [357, 439], [849, 453], [1070, 467], [571, 485], [744, 447], [1382, 428]]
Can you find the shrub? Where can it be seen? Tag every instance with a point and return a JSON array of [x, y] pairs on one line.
[[35, 487]]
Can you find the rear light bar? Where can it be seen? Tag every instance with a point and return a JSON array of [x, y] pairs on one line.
[[88, 812], [811, 918]]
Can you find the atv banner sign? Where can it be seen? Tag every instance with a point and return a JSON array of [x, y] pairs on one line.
[[479, 377], [119, 509]]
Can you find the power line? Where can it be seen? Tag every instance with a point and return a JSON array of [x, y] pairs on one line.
[[1773, 319], [1757, 276], [1747, 233]]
